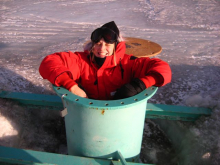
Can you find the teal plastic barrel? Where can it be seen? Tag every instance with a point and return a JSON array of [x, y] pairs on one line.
[[97, 128]]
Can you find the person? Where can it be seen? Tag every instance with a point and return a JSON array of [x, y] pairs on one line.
[[103, 71]]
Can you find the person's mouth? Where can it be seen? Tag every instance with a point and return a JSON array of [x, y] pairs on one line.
[[103, 53]]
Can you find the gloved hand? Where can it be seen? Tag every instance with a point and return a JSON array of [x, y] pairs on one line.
[[130, 89]]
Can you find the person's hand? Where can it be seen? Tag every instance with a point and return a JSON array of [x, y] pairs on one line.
[[78, 91], [130, 89]]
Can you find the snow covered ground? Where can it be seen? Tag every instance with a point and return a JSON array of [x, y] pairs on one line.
[[188, 31]]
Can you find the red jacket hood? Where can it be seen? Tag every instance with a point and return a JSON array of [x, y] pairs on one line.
[[119, 53]]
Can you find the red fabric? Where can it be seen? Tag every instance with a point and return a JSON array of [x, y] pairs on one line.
[[65, 81], [101, 83], [153, 79]]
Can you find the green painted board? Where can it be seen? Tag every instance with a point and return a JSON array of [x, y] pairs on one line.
[[174, 112], [21, 156], [161, 111], [33, 99]]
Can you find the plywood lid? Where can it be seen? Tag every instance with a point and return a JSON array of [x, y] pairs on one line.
[[141, 48]]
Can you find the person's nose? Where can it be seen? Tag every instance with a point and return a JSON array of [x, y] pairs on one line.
[[102, 47]]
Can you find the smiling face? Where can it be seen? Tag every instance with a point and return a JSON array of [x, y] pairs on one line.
[[102, 49]]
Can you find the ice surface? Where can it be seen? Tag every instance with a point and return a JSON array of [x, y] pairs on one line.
[[188, 31]]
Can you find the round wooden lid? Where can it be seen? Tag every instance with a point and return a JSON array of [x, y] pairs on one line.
[[141, 48]]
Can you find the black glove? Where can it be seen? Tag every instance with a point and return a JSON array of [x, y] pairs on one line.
[[130, 89]]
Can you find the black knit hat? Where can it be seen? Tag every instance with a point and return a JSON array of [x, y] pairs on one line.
[[111, 25], [109, 32]]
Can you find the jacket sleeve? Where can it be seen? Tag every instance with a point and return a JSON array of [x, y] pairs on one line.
[[56, 64], [151, 71]]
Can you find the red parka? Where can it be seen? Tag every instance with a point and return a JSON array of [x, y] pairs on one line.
[[101, 83]]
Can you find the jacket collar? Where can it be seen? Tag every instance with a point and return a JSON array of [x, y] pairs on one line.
[[119, 54]]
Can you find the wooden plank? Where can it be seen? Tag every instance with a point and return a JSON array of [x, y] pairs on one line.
[[153, 111], [21, 156], [174, 112], [33, 99]]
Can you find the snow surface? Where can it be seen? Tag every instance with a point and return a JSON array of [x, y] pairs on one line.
[[189, 33]]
